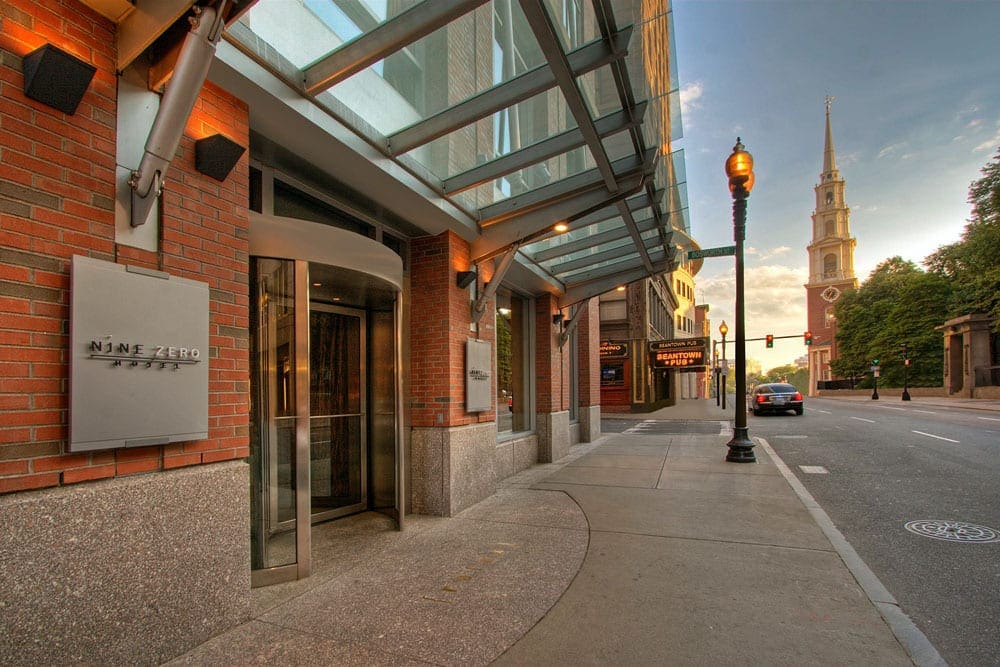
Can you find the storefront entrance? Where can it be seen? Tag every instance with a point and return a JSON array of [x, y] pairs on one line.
[[325, 434]]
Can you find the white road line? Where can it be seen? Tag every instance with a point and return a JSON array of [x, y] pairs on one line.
[[926, 412], [991, 419], [870, 421], [886, 407], [815, 470], [825, 412], [791, 437], [931, 435]]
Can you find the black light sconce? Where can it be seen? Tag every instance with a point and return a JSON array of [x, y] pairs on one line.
[[216, 156], [465, 278], [557, 318], [56, 78]]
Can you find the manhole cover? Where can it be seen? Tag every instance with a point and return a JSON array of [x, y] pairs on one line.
[[953, 531]]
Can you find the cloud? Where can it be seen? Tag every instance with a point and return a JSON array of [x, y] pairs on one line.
[[991, 143], [690, 95], [891, 149], [767, 253], [775, 304]]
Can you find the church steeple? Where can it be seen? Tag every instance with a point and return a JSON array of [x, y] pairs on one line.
[[829, 159], [831, 262]]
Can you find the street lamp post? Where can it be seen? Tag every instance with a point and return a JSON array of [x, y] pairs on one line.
[[906, 367], [723, 329], [739, 170]]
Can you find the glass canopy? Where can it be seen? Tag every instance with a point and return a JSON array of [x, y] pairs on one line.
[[522, 113]]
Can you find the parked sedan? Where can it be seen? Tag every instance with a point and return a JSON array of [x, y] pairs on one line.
[[776, 397]]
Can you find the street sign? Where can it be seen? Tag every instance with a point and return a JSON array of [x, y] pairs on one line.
[[712, 252]]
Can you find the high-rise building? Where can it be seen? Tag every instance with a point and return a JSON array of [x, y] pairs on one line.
[[831, 263]]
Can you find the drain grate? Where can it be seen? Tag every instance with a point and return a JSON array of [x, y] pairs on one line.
[[953, 531]]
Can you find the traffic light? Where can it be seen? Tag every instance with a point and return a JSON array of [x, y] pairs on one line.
[[874, 362], [770, 340], [808, 337]]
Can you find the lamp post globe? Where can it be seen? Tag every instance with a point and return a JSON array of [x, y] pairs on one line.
[[739, 171]]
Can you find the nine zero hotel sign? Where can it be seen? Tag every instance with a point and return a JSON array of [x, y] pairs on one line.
[[682, 353], [139, 362]]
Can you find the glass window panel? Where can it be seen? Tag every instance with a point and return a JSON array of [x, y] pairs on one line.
[[611, 267], [518, 126], [574, 25], [533, 177], [473, 53], [513, 339], [599, 91]]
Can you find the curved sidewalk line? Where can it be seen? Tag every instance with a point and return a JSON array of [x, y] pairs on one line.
[[907, 633]]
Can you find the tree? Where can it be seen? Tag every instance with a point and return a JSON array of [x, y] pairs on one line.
[[973, 263], [797, 377], [899, 303]]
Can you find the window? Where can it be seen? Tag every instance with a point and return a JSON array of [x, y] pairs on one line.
[[513, 359], [612, 374], [829, 227], [291, 202], [829, 265], [829, 197]]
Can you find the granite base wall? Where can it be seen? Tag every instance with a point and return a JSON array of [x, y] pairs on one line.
[[553, 435], [590, 423], [127, 571], [452, 468], [515, 455]]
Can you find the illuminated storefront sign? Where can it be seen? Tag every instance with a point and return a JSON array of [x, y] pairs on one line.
[[682, 353], [613, 349]]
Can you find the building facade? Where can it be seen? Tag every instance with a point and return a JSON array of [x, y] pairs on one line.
[[270, 263], [831, 263]]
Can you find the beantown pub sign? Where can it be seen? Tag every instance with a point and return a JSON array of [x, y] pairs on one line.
[[681, 353], [139, 361]]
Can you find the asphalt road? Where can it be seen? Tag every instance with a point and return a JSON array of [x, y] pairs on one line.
[[888, 463]]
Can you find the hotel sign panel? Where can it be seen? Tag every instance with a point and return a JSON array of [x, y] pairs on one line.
[[681, 353], [139, 357]]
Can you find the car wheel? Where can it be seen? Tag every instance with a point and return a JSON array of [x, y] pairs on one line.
[[798, 411]]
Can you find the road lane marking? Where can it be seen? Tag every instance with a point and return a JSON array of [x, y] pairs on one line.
[[815, 470], [926, 412], [870, 421], [886, 407], [990, 419], [931, 435], [825, 412], [791, 437]]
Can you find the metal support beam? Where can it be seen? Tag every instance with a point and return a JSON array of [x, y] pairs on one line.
[[538, 80], [195, 58], [491, 289], [572, 323], [585, 290], [389, 37], [590, 241], [611, 210], [548, 41], [596, 258], [543, 150]]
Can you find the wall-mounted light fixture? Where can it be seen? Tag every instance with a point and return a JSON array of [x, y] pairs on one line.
[[465, 278], [216, 156], [56, 78], [557, 318]]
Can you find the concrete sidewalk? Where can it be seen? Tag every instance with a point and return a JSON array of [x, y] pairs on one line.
[[641, 548]]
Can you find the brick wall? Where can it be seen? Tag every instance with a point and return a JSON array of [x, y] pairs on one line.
[[588, 335], [439, 330], [551, 361], [57, 175]]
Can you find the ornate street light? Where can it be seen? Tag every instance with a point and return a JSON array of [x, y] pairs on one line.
[[739, 170], [723, 329]]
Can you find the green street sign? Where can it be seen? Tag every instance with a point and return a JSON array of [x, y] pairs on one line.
[[712, 252]]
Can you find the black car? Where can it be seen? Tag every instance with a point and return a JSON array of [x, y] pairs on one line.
[[776, 397]]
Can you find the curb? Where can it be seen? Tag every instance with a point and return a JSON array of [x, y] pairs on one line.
[[913, 641]]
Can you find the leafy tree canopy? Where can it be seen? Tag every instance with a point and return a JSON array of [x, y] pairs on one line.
[[899, 303], [972, 264]]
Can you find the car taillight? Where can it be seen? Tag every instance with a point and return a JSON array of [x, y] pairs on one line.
[[798, 396], [761, 398]]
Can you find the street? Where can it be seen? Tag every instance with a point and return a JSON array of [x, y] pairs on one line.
[[874, 467]]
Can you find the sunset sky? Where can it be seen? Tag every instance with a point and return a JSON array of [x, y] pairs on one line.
[[916, 116]]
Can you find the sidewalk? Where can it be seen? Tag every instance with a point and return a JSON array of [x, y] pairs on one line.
[[641, 548]]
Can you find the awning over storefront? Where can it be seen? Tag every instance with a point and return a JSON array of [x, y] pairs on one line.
[[506, 117]]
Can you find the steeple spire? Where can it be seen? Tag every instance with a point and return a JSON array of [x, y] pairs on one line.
[[829, 160]]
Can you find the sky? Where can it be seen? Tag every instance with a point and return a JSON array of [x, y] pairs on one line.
[[916, 116]]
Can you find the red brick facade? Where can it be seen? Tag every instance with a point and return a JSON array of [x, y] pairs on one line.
[[439, 329], [57, 199]]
